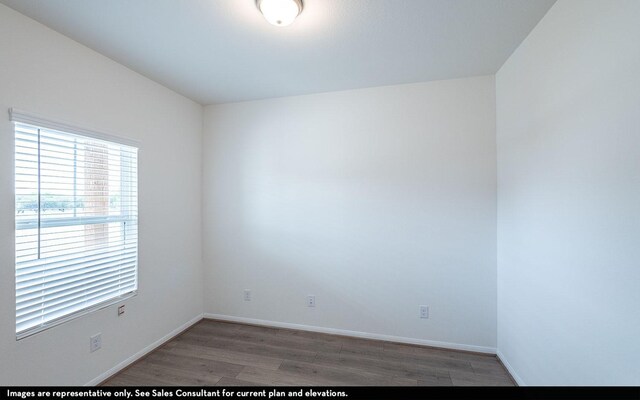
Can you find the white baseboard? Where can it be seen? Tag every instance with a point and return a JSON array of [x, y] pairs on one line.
[[107, 374], [356, 334], [509, 368]]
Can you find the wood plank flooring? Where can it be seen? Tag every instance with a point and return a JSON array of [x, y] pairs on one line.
[[228, 354]]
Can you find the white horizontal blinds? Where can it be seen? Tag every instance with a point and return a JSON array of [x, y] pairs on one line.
[[76, 224]]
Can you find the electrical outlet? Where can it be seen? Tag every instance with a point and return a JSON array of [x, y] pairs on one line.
[[311, 301], [247, 295], [95, 342], [120, 310], [424, 312]]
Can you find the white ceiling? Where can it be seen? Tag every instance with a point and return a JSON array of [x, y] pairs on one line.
[[217, 51]]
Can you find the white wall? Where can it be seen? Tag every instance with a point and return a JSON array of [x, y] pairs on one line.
[[375, 201], [568, 103], [46, 73]]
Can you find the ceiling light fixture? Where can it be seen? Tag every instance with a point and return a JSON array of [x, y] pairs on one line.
[[280, 12]]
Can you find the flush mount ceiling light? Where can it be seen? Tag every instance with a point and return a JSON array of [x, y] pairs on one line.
[[280, 12]]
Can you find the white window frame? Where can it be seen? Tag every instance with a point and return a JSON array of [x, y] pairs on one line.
[[19, 116]]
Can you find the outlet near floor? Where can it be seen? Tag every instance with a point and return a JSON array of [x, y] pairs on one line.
[[311, 301], [95, 342]]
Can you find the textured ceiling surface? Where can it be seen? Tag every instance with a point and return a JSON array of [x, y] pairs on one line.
[[217, 51]]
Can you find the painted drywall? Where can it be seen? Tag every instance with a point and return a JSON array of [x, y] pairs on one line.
[[568, 133], [45, 73], [375, 201]]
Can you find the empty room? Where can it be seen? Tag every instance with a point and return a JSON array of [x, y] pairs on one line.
[[336, 194]]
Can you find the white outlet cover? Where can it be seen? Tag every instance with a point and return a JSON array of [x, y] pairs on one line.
[[247, 295], [311, 301], [424, 312], [95, 342]]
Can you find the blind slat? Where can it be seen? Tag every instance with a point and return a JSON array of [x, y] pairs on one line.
[[68, 261], [85, 301], [37, 283], [52, 294], [55, 297]]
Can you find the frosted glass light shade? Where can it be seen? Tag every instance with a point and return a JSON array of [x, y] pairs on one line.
[[280, 12]]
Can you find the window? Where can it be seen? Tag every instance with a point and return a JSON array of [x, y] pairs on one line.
[[76, 222]]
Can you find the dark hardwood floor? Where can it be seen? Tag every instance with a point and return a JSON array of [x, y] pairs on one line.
[[221, 353]]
